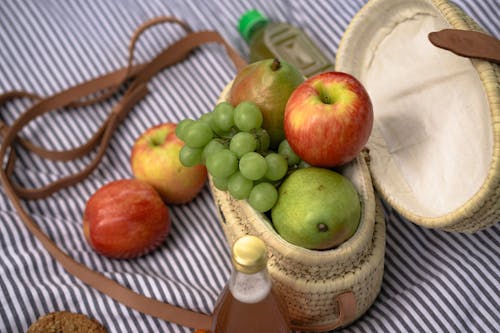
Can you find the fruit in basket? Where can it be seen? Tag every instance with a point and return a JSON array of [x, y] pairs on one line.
[[317, 209], [125, 219], [237, 155], [155, 160], [328, 119], [267, 83]]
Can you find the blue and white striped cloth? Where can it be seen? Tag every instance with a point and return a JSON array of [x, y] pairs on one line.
[[434, 281]]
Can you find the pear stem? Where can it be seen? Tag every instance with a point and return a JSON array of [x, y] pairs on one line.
[[275, 65]]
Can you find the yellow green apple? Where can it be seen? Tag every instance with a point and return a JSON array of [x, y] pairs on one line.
[[155, 160]]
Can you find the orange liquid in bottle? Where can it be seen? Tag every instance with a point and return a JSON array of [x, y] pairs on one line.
[[234, 316], [248, 304]]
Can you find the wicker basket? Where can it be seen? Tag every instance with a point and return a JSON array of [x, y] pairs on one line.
[[473, 187], [310, 280]]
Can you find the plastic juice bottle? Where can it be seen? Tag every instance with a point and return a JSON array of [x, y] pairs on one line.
[[270, 39], [248, 303]]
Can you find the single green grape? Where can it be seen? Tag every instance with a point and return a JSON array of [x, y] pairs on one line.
[[198, 134], [277, 166], [211, 148], [222, 164], [220, 183], [247, 116], [223, 116], [287, 151], [210, 119], [207, 118], [263, 197], [242, 143], [239, 186], [190, 156], [181, 128], [253, 166]]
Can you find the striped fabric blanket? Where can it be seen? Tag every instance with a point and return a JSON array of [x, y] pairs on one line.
[[434, 281]]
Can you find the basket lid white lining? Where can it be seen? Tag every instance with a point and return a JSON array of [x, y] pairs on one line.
[[428, 185]]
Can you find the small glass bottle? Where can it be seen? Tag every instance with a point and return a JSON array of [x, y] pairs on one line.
[[281, 40], [248, 303]]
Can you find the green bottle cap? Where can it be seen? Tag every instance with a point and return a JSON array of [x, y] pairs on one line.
[[249, 22]]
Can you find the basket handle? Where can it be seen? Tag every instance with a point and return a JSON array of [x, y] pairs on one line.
[[346, 302], [467, 43]]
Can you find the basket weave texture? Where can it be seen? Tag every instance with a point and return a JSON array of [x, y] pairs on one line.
[[307, 280]]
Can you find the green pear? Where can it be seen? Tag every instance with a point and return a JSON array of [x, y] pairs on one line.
[[317, 209], [268, 83]]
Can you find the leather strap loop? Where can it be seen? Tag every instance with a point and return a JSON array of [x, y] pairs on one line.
[[346, 303], [106, 82], [173, 54], [104, 133], [75, 96]]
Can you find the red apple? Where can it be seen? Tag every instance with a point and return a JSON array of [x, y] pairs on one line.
[[328, 119], [155, 160], [125, 219]]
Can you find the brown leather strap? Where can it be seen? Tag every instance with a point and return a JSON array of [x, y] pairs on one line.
[[75, 96], [106, 82], [472, 44], [104, 87]]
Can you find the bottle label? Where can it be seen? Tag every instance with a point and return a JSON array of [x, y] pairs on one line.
[[292, 45]]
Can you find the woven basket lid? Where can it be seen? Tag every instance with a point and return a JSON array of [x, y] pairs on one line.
[[435, 144]]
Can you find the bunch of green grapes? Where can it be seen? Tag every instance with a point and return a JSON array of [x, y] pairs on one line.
[[234, 147]]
